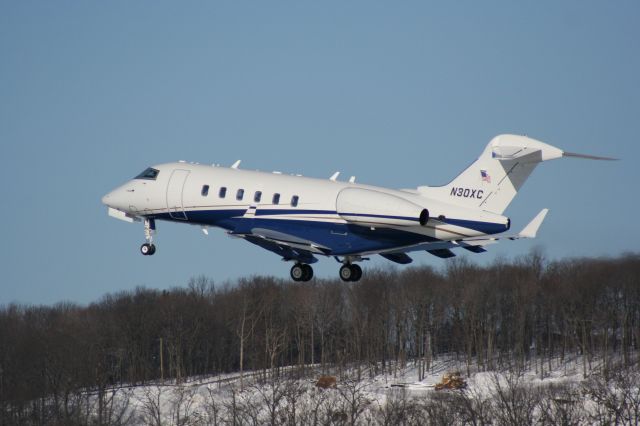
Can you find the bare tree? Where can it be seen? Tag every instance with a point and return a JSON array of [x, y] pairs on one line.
[[617, 396], [515, 401], [399, 409], [474, 407], [250, 313], [294, 391], [354, 400], [182, 400], [440, 410], [561, 405], [151, 402], [317, 409], [271, 395], [213, 414]]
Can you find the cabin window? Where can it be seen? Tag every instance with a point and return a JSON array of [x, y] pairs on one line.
[[205, 190], [276, 198], [257, 196], [223, 192], [149, 174], [294, 201], [239, 194]]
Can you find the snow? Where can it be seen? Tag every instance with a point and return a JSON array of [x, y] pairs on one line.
[[200, 401]]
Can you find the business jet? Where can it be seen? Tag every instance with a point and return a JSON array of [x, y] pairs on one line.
[[300, 218]]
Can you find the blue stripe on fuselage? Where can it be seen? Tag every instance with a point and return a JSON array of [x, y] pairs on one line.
[[341, 238], [488, 228]]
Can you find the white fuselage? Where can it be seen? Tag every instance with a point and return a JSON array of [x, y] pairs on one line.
[[341, 218]]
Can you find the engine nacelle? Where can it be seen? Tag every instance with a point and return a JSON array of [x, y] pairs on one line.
[[371, 208]]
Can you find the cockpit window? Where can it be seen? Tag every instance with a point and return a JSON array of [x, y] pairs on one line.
[[149, 174]]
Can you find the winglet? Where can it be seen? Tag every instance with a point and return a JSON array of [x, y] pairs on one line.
[[531, 229]]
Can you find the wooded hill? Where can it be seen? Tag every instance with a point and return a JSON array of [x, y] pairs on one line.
[[518, 314]]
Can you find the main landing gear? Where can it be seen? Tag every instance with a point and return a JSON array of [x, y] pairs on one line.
[[304, 272], [301, 272], [350, 272], [148, 248]]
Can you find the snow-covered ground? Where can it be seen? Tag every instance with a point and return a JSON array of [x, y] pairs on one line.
[[394, 397]]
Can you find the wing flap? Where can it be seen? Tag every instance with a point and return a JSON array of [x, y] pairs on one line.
[[442, 253], [474, 249], [401, 258]]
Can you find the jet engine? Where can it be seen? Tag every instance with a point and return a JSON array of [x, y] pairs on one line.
[[371, 208]]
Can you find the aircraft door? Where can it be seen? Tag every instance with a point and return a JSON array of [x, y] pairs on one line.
[[175, 189]]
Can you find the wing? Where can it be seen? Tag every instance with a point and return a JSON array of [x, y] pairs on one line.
[[442, 249]]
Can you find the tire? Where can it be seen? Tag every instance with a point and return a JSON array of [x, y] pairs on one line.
[[308, 272], [153, 250], [357, 272], [297, 272], [346, 273], [145, 249]]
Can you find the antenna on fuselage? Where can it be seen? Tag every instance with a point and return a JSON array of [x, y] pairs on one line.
[[334, 176], [236, 164]]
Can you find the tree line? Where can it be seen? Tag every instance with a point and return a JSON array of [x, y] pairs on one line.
[[519, 314]]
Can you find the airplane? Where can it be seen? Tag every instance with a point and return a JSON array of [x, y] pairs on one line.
[[300, 218]]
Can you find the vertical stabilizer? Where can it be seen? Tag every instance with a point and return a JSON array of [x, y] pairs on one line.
[[492, 181]]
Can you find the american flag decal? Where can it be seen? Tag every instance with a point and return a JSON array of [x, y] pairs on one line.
[[485, 176]]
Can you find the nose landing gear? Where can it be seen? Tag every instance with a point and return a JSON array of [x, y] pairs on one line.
[[148, 248]]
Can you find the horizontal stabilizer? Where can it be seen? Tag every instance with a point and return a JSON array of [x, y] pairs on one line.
[[442, 253], [588, 157], [401, 258], [532, 227]]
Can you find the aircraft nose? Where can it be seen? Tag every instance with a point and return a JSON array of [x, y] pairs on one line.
[[117, 199]]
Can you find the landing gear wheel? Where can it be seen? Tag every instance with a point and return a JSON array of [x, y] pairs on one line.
[[308, 272], [346, 273], [301, 272], [297, 272], [356, 273], [350, 272], [147, 249]]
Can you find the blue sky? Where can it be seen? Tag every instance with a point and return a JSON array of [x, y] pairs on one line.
[[399, 94]]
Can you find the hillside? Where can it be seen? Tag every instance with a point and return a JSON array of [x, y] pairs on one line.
[[561, 396], [575, 318]]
